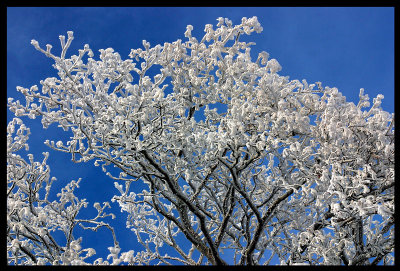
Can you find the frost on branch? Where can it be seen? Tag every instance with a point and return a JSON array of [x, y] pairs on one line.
[[33, 220], [235, 156]]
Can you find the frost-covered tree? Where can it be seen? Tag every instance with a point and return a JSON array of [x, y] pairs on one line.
[[236, 158]]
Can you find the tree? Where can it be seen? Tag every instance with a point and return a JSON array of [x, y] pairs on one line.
[[236, 158]]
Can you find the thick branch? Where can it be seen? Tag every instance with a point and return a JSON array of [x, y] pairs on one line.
[[214, 257]]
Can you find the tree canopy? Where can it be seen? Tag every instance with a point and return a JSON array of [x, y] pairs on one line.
[[236, 158]]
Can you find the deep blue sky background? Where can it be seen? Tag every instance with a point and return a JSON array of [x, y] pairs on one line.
[[347, 48]]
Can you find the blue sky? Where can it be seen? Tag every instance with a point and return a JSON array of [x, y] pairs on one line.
[[347, 48]]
